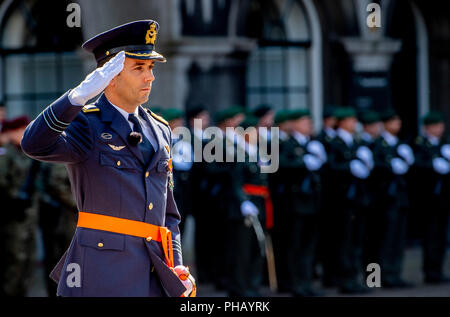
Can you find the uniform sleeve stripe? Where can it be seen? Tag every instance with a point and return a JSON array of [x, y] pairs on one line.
[[64, 124], [52, 121], [43, 115]]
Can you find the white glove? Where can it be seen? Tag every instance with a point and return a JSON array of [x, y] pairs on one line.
[[365, 155], [97, 81], [445, 151], [186, 278], [441, 165], [249, 209], [358, 169], [313, 163], [399, 166], [316, 148], [405, 151]]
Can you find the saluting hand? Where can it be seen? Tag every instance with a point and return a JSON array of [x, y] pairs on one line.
[[97, 81]]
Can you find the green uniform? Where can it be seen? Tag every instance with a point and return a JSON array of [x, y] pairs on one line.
[[278, 192], [302, 198], [325, 227], [391, 203], [349, 200], [57, 216], [201, 211], [226, 192], [18, 228], [433, 204]]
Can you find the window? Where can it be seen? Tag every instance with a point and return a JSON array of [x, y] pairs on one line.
[[278, 71], [38, 62]]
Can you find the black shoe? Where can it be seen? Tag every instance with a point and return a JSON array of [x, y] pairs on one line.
[[437, 280]]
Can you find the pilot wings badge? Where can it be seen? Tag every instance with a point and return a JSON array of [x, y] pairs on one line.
[[116, 147]]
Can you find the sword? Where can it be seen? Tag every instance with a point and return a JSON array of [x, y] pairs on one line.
[[266, 249]]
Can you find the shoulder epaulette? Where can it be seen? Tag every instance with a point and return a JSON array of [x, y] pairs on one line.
[[90, 108], [159, 118]]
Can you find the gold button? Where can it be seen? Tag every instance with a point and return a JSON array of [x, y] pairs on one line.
[[150, 206], [146, 174], [118, 163], [148, 239], [107, 53], [100, 245]]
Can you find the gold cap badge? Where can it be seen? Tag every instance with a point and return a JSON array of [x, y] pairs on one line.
[[150, 36]]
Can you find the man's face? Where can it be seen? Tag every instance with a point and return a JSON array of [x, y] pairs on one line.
[[266, 121], [330, 122], [373, 129], [179, 122], [134, 82], [302, 125], [348, 124], [436, 129], [393, 126]]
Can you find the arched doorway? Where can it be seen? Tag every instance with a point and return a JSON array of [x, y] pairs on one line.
[[285, 69]]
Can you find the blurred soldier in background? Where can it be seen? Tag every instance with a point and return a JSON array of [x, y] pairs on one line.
[[250, 238], [57, 216], [371, 123], [264, 116], [18, 228], [230, 205], [301, 158], [432, 169], [182, 164], [278, 193], [392, 161], [201, 203], [350, 165], [325, 227]]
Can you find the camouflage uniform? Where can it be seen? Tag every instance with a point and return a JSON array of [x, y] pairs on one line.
[[19, 224], [57, 216]]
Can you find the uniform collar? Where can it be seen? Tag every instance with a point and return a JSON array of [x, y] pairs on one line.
[[367, 137], [300, 138], [432, 139], [330, 132], [346, 136], [390, 139], [123, 112]]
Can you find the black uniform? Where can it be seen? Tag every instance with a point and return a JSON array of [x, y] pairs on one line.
[[433, 203], [302, 199], [350, 198], [391, 203]]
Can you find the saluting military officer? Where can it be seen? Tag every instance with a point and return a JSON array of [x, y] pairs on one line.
[[432, 166], [117, 153], [393, 159], [350, 164], [301, 158]]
